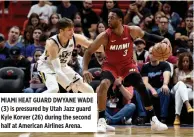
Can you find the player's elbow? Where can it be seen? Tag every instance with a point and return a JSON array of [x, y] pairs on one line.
[[88, 53]]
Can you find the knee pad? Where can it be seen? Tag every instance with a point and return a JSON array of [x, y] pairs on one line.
[[107, 75], [133, 79]]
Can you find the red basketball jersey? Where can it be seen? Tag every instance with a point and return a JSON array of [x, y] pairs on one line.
[[119, 50]]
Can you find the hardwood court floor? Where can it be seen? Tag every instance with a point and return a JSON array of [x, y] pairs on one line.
[[121, 131]]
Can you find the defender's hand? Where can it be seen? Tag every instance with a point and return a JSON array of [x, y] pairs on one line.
[[87, 76], [167, 41]]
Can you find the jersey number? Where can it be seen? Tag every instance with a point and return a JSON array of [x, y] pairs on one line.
[[125, 52], [63, 57]]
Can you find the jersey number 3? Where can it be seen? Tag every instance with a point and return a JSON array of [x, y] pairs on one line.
[[125, 52]]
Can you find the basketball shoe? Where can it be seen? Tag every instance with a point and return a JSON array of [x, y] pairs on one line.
[[157, 125], [102, 127]]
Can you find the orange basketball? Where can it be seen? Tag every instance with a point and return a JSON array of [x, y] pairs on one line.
[[161, 51]]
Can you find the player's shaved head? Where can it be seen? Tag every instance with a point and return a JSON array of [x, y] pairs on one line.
[[118, 12]]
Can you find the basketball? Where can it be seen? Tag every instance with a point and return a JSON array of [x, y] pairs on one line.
[[161, 51]]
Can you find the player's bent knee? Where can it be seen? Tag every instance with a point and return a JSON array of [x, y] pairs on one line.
[[105, 84], [86, 88], [82, 87], [133, 79]]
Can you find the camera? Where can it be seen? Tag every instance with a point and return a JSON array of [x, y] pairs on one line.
[[74, 53]]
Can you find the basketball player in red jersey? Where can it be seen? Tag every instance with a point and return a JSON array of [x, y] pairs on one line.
[[118, 43]]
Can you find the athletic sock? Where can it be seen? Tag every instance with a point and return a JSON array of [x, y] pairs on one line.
[[151, 113], [102, 114]]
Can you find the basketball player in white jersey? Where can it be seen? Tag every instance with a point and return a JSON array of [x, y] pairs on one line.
[[52, 65]]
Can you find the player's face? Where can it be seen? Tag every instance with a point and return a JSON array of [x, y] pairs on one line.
[[113, 20], [185, 63], [68, 32]]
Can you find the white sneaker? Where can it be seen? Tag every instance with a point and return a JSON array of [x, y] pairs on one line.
[[101, 127], [129, 121], [110, 128], [157, 125]]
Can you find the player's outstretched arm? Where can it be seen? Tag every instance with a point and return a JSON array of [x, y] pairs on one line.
[[137, 32], [52, 51], [101, 39], [82, 40]]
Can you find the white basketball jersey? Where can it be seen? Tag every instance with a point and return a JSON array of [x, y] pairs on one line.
[[64, 54]]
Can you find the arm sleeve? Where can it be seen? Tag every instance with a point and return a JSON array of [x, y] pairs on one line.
[[152, 37], [60, 74]]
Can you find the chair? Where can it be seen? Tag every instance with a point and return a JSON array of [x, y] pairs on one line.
[[11, 80], [96, 72]]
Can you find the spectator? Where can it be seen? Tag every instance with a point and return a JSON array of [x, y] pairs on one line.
[[107, 6], [147, 22], [89, 17], [156, 77], [4, 51], [183, 89], [36, 83], [101, 27], [33, 20], [13, 38], [140, 109], [97, 59], [163, 29], [77, 18], [42, 41], [136, 12], [27, 36], [182, 34], [78, 28], [17, 60], [174, 17], [190, 41], [154, 6], [54, 18], [31, 48], [157, 17], [66, 9], [119, 108], [141, 53], [43, 10], [74, 62]]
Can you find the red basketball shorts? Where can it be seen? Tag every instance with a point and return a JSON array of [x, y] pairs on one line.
[[118, 70]]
